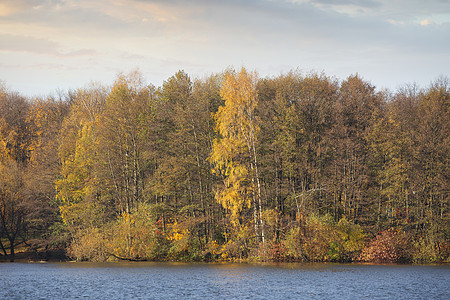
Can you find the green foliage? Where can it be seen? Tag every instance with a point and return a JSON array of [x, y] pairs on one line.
[[293, 243], [429, 247], [321, 239], [425, 251], [351, 240], [228, 167]]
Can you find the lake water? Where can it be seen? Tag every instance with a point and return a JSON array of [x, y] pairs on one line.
[[221, 281]]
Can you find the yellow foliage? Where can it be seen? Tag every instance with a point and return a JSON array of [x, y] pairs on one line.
[[224, 256], [90, 244], [214, 247], [176, 233], [132, 235], [271, 217], [126, 218], [79, 214], [77, 181], [237, 126]]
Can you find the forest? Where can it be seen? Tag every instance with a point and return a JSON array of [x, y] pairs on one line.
[[228, 167]]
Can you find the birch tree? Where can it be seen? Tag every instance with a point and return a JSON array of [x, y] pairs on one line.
[[234, 152]]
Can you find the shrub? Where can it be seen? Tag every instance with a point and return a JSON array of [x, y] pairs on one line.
[[293, 244], [425, 251], [321, 239], [390, 246], [239, 244], [134, 236], [89, 245], [430, 248], [351, 240], [277, 251]]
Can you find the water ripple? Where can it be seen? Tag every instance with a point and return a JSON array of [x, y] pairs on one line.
[[221, 281]]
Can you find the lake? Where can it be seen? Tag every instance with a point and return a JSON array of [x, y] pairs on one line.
[[221, 281]]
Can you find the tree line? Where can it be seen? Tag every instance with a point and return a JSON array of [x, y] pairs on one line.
[[297, 167]]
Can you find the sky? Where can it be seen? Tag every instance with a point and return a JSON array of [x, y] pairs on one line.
[[55, 45]]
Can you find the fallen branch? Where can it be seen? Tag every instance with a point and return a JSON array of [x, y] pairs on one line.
[[127, 259]]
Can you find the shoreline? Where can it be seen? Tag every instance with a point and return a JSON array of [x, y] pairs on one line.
[[59, 257]]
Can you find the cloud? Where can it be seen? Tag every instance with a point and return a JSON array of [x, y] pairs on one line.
[[348, 7], [162, 36], [16, 43], [27, 44], [10, 7], [401, 12], [425, 22], [395, 22]]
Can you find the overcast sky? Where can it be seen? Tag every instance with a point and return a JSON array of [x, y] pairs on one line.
[[47, 45]]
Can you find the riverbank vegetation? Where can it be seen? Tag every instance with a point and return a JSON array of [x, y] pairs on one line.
[[297, 167]]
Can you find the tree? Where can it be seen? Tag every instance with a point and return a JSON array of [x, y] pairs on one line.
[[351, 176], [76, 186], [15, 135], [45, 118], [124, 140], [234, 152], [183, 179], [303, 166], [12, 210], [16, 139], [431, 156]]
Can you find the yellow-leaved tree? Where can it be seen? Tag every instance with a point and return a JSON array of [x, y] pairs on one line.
[[234, 152], [77, 186]]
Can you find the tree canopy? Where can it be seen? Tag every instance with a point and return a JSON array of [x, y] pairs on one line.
[[296, 167]]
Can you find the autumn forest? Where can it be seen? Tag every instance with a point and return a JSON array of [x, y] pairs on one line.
[[229, 167]]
